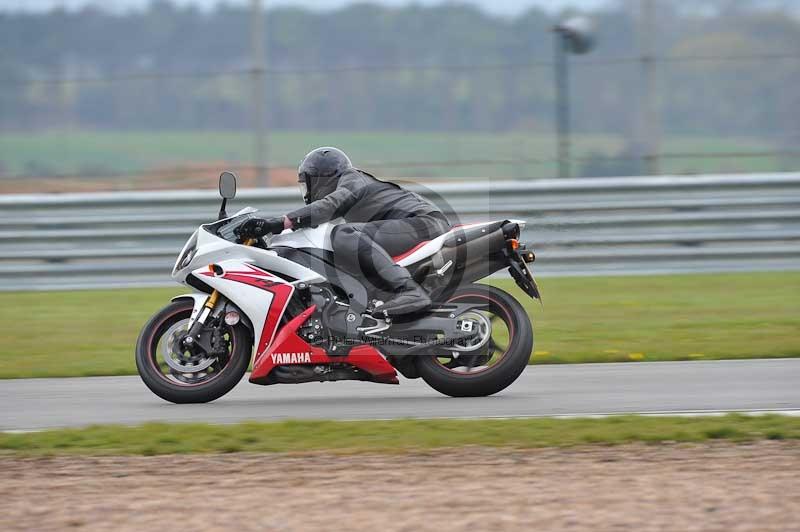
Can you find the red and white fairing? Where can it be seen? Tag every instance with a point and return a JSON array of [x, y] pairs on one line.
[[289, 348], [262, 296], [251, 279]]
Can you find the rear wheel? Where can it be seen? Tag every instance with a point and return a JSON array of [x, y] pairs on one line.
[[180, 375], [495, 357]]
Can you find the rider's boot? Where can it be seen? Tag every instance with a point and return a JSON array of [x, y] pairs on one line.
[[406, 300], [408, 297]]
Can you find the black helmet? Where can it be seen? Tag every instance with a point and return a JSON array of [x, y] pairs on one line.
[[319, 172]]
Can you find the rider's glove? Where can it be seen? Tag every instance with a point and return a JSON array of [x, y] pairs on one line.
[[258, 227]]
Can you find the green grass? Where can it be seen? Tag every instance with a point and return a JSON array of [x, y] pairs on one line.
[[395, 436], [603, 319], [80, 152], [681, 317]]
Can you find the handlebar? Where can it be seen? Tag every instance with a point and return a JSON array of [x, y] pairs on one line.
[[226, 229]]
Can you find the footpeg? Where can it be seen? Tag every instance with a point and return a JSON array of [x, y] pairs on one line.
[[381, 324]]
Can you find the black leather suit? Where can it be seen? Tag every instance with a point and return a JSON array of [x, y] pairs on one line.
[[382, 220]]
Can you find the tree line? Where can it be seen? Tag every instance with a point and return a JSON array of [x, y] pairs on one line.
[[725, 69]]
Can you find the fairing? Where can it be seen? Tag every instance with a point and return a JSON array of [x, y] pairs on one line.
[[312, 237], [424, 250], [262, 296], [210, 249], [288, 348]]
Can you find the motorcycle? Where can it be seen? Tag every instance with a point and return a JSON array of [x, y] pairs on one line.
[[283, 302]]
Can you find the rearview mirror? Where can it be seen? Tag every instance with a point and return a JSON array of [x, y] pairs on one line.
[[227, 185]]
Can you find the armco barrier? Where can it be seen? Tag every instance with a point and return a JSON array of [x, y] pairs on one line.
[[577, 226]]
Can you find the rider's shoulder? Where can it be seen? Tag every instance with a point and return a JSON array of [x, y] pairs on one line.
[[355, 176]]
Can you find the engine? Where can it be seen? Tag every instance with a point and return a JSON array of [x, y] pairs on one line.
[[327, 327]]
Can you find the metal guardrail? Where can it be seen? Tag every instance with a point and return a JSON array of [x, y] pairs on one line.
[[578, 227]]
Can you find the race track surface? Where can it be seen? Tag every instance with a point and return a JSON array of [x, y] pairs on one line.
[[541, 391]]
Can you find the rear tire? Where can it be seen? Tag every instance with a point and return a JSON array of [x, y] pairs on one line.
[[173, 391], [498, 376]]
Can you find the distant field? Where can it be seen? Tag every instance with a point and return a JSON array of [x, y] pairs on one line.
[[604, 319], [101, 153]]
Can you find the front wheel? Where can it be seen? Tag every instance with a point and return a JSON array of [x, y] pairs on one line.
[[499, 354], [181, 375]]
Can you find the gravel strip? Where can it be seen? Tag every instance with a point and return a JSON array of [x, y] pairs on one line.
[[720, 486]]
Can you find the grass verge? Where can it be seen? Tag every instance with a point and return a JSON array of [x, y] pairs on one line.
[[601, 319], [396, 436], [86, 152]]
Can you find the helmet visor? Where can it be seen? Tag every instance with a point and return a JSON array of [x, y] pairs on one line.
[[303, 190]]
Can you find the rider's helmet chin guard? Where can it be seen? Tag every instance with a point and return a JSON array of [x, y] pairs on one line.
[[303, 185], [320, 170]]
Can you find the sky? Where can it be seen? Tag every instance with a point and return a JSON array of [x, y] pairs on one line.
[[500, 7]]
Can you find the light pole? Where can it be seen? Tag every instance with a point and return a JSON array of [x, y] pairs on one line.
[[260, 142], [572, 36], [648, 119]]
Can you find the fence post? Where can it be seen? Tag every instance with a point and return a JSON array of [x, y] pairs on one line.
[[260, 146]]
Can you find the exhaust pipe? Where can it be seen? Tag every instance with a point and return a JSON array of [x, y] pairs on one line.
[[477, 258]]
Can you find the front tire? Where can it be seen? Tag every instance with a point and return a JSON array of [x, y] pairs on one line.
[[216, 381], [492, 373]]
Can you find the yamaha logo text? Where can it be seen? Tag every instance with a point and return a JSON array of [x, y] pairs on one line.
[[292, 358]]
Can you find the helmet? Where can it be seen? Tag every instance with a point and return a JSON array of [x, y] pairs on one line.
[[319, 172]]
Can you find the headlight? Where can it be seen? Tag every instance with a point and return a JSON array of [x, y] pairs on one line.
[[187, 254], [186, 258]]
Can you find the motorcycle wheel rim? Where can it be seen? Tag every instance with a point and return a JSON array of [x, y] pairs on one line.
[[186, 379], [502, 336]]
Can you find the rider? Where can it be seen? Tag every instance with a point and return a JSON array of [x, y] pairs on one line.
[[381, 220]]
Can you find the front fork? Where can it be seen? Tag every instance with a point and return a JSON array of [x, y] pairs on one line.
[[208, 308], [200, 320]]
